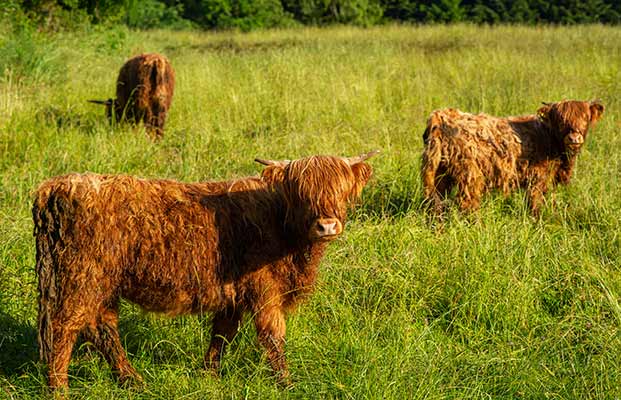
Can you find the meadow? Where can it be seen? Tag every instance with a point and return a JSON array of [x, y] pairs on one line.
[[496, 304]]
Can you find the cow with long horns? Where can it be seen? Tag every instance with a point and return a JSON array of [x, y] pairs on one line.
[[144, 92], [477, 152], [248, 245]]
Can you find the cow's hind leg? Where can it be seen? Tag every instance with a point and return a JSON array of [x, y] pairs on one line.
[[429, 188], [225, 326], [148, 119], [159, 119], [104, 334], [471, 185], [66, 324], [154, 120], [444, 183]]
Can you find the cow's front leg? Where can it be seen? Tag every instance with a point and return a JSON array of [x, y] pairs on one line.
[[225, 326], [536, 192], [271, 330]]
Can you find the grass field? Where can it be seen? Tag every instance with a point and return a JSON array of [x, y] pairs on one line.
[[491, 305]]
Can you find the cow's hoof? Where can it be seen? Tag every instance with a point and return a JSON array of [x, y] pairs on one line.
[[131, 380]]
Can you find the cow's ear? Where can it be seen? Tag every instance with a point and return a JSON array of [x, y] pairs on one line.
[[543, 114], [362, 173], [273, 174], [597, 109]]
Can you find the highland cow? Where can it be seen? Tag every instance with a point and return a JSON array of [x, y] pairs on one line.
[[144, 92], [477, 153], [249, 245]]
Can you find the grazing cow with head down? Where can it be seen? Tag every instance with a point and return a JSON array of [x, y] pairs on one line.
[[480, 152], [250, 245], [144, 91]]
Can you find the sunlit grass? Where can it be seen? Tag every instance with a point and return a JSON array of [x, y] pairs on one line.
[[491, 305]]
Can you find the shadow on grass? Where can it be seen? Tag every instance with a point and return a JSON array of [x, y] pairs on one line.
[[62, 118], [581, 217], [235, 47], [167, 342], [18, 346], [163, 339], [434, 46], [384, 200]]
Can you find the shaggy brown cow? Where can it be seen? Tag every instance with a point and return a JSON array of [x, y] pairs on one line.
[[247, 245], [481, 152], [144, 91]]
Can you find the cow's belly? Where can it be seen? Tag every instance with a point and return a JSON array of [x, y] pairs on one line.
[[172, 301]]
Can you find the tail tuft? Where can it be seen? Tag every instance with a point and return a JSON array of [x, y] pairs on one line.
[[432, 155], [46, 232]]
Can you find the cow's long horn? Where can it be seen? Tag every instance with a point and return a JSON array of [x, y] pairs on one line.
[[545, 103], [360, 158], [272, 162], [102, 102]]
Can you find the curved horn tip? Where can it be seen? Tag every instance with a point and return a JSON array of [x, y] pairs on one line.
[[264, 162], [372, 153], [102, 102], [361, 158], [272, 162]]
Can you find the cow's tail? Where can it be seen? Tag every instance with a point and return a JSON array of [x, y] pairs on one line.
[[46, 214], [162, 85], [161, 79], [432, 154]]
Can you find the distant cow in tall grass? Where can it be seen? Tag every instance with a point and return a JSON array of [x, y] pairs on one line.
[[144, 92], [480, 152], [249, 245]]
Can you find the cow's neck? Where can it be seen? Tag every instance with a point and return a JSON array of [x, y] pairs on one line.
[[268, 235], [304, 254], [566, 167], [557, 148], [303, 250], [544, 143], [308, 255], [302, 276]]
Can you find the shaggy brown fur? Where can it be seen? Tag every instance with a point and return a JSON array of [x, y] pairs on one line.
[[144, 92], [247, 245], [480, 152]]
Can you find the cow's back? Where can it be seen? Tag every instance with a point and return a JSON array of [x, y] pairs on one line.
[[147, 235], [483, 146], [167, 246]]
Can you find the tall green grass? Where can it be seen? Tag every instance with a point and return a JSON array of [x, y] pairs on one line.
[[491, 305]]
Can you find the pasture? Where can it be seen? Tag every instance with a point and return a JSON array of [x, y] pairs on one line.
[[496, 304]]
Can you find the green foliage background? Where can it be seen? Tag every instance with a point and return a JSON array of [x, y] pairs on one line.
[[257, 14], [491, 305]]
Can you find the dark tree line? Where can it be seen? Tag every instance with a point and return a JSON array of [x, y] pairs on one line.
[[253, 14]]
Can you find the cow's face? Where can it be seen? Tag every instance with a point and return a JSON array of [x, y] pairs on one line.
[[115, 111], [110, 104], [570, 120], [317, 191]]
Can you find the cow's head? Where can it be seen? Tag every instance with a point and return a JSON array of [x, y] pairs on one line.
[[111, 106], [570, 120], [317, 191]]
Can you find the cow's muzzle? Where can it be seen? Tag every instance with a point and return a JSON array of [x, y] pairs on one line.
[[574, 141], [325, 229]]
